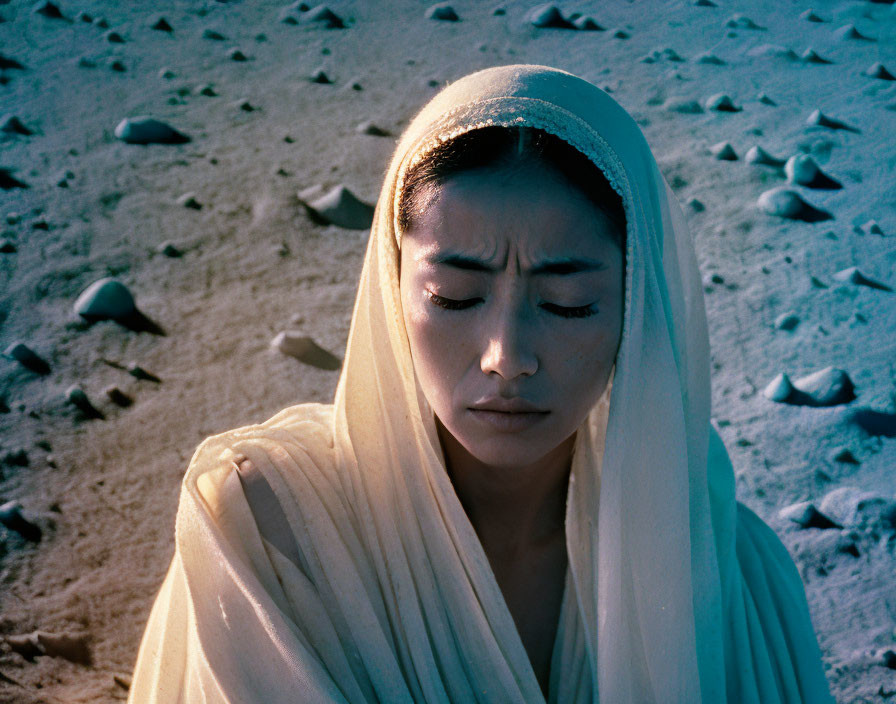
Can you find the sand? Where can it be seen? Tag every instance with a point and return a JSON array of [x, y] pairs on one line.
[[252, 263]]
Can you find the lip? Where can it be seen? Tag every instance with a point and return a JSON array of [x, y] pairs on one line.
[[506, 405], [508, 421]]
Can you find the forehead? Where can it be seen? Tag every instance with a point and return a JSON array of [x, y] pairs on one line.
[[531, 208]]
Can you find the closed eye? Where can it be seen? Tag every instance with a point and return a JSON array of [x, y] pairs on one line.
[[561, 311]]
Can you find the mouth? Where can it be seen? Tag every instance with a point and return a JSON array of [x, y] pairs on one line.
[[508, 421]]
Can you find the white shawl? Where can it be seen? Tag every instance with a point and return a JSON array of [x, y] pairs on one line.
[[675, 592]]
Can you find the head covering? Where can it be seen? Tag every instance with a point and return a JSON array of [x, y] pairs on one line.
[[675, 592]]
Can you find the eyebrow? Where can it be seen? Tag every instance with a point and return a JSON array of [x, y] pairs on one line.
[[561, 266]]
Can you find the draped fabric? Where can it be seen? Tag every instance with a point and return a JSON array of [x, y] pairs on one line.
[[675, 592]]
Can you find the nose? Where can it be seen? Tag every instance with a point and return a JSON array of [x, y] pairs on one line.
[[509, 345]]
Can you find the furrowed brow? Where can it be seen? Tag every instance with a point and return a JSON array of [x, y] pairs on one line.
[[557, 267]]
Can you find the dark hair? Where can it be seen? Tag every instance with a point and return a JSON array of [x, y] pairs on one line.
[[498, 147]]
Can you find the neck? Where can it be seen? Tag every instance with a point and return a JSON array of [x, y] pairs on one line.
[[511, 508]]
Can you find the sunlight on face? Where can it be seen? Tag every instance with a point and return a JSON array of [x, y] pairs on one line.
[[546, 334]]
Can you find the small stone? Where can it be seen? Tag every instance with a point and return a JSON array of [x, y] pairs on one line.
[[162, 25], [305, 349], [101, 22], [871, 228], [740, 21], [371, 129], [442, 11], [11, 124], [8, 181], [84, 17], [322, 15], [188, 200], [878, 70], [703, 3], [774, 50], [236, 55], [213, 35], [889, 660], [709, 58], [787, 321], [587, 24], [723, 151], [859, 509], [28, 358], [113, 37], [696, 205], [72, 647], [810, 56], [15, 458], [828, 387], [341, 207], [169, 249], [779, 389], [148, 130], [802, 169], [245, 106], [138, 372], [105, 299], [75, 395], [48, 9], [786, 203], [620, 34], [810, 16], [758, 155], [763, 98], [854, 276], [844, 455], [817, 117], [11, 517], [85, 62], [548, 15], [7, 246], [319, 76], [805, 515], [849, 31], [118, 397], [207, 90], [166, 74], [117, 65], [721, 102]]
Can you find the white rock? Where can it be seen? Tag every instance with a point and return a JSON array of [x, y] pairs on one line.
[[104, 299]]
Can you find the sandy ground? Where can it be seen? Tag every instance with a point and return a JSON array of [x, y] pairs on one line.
[[104, 492]]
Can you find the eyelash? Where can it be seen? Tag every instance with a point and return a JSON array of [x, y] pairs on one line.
[[561, 311]]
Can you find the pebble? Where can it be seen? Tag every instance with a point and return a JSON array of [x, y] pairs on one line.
[[169, 249], [118, 397], [859, 509], [166, 74], [548, 15], [48, 9], [723, 151], [28, 358], [827, 387], [206, 89], [105, 299], [117, 65], [709, 58], [236, 55], [15, 458], [660, 54], [84, 17], [721, 102], [683, 105], [696, 205], [805, 515], [7, 246], [11, 124], [101, 22], [213, 35], [849, 31], [323, 16], [620, 34], [843, 455], [889, 660], [442, 11], [7, 62], [76, 396], [878, 70], [740, 21], [288, 16], [113, 37], [188, 200], [787, 321], [8, 181], [704, 3], [854, 276], [341, 207], [162, 25], [810, 16], [811, 57], [305, 349], [786, 203], [588, 24], [245, 105], [870, 228], [72, 647], [11, 517], [320, 76], [148, 130], [371, 129], [817, 117], [802, 169], [138, 372], [758, 155]]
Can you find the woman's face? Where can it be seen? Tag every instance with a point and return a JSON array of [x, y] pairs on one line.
[[511, 289]]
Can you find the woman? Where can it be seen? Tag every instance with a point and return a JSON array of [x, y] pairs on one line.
[[411, 542]]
